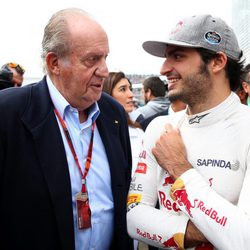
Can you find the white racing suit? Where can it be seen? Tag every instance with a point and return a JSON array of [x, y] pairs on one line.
[[214, 195]]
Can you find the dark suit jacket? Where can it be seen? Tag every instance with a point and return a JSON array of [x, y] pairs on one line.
[[35, 191]]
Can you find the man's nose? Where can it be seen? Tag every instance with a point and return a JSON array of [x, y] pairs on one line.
[[102, 69], [166, 67]]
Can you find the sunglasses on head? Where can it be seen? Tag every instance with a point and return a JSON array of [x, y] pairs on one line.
[[17, 67]]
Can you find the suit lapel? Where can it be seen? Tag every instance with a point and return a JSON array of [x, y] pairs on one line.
[[108, 130], [39, 118], [108, 127]]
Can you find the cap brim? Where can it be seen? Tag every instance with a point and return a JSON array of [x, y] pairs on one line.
[[157, 48]]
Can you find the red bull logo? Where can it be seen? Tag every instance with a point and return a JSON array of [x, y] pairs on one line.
[[168, 181], [171, 243], [212, 213], [169, 204], [149, 236], [179, 194], [181, 197], [176, 242]]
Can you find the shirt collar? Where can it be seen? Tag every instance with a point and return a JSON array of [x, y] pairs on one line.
[[215, 114], [170, 110], [61, 104]]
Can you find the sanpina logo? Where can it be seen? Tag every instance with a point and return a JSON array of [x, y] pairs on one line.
[[232, 165]]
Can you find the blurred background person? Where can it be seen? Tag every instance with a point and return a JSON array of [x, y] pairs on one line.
[[155, 97], [175, 106], [120, 88], [11, 75], [242, 94], [245, 82]]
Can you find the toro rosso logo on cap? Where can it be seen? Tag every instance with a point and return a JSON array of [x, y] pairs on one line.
[[177, 28], [213, 37]]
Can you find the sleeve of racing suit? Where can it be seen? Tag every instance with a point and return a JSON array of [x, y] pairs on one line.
[[225, 225], [163, 228]]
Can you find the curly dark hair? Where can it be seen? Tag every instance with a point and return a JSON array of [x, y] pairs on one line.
[[234, 69]]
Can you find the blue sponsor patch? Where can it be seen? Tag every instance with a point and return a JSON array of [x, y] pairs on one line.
[[213, 37]]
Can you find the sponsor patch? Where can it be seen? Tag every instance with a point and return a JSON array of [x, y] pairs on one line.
[[197, 118], [213, 37], [177, 28], [131, 206], [142, 154], [133, 198], [176, 242], [149, 236], [141, 168], [136, 187], [232, 165]]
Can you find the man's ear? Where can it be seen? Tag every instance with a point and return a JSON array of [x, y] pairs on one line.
[[219, 62], [245, 86], [149, 92], [52, 63]]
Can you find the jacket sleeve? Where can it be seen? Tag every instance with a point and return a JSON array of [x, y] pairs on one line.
[[162, 227]]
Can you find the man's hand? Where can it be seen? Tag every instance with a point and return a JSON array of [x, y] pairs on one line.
[[194, 237], [170, 152]]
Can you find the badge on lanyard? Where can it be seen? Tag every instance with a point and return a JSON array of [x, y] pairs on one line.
[[83, 211], [82, 200]]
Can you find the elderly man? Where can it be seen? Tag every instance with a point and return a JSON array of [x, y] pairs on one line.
[[65, 160]]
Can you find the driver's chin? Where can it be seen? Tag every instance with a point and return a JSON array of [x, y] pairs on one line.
[[173, 94]]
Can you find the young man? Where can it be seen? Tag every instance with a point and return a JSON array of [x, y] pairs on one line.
[[154, 90], [196, 162], [62, 185]]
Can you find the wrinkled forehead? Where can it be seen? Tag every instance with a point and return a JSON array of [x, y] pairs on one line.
[[82, 24], [89, 34]]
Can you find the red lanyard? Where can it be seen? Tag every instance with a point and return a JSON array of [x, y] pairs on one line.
[[89, 155]]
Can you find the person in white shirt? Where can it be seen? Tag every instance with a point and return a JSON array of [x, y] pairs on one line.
[[196, 162], [120, 88]]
